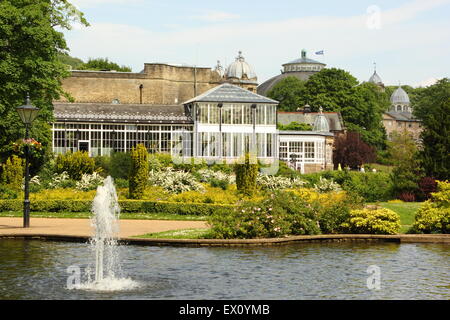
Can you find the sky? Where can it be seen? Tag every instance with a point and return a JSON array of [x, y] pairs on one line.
[[408, 40]]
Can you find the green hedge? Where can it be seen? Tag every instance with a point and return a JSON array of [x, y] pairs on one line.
[[201, 209]]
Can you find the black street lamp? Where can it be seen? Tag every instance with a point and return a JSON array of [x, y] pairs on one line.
[[27, 114]]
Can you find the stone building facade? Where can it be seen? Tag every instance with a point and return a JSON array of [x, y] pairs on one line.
[[399, 118], [157, 83]]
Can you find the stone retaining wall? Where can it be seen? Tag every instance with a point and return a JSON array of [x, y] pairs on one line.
[[403, 238]]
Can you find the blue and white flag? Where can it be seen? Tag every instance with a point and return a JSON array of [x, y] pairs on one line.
[[319, 52]]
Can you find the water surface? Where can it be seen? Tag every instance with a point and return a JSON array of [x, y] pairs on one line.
[[31, 269]]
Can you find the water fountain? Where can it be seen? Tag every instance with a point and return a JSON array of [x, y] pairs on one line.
[[105, 221]]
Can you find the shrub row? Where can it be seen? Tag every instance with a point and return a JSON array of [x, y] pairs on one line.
[[372, 186], [287, 213], [200, 209]]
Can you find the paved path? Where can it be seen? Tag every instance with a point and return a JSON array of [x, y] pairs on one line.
[[82, 227]]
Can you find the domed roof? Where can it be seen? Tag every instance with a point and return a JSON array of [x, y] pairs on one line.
[[321, 123], [375, 78], [400, 96], [240, 69], [304, 60]]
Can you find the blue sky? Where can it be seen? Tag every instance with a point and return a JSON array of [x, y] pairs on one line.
[[409, 40]]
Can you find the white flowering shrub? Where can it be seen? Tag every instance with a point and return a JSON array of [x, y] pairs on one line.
[[174, 181], [34, 181], [277, 183], [89, 182], [206, 175], [59, 180], [325, 185]]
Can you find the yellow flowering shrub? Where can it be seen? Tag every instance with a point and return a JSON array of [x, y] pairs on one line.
[[326, 199], [434, 215], [212, 195], [63, 194], [372, 221]]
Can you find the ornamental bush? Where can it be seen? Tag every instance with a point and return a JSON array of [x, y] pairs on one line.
[[280, 214], [434, 215], [324, 185], [206, 175], [75, 164], [246, 174], [372, 186], [120, 165], [12, 173], [174, 181], [427, 186], [89, 182], [268, 182], [6, 193], [138, 172], [61, 180], [372, 221]]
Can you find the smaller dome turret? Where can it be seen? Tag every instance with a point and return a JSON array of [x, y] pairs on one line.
[[375, 78], [240, 69], [400, 96], [321, 122]]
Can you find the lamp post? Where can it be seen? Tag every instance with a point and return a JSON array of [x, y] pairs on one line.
[[27, 114]]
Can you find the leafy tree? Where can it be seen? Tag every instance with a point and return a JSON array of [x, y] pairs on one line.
[[295, 126], [329, 88], [288, 92], [432, 106], [103, 64], [407, 172], [29, 64], [73, 62], [352, 151], [336, 90]]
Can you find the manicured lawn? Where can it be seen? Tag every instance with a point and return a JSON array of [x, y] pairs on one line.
[[380, 167], [125, 216], [406, 210], [176, 234]]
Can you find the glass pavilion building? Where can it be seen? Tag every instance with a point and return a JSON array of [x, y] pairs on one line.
[[221, 124]]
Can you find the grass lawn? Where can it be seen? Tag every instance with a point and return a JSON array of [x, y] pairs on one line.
[[380, 167], [177, 234], [406, 210], [124, 216]]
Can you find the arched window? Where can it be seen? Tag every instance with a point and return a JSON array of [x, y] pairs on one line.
[[399, 108]]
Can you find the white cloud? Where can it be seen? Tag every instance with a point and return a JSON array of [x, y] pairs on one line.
[[267, 45], [427, 82], [216, 16]]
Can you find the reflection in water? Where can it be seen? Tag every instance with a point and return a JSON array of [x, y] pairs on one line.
[[36, 269]]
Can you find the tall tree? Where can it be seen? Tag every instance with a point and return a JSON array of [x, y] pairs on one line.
[[406, 173], [289, 92], [73, 62], [432, 106], [336, 90], [329, 88], [29, 64], [352, 151], [103, 64]]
